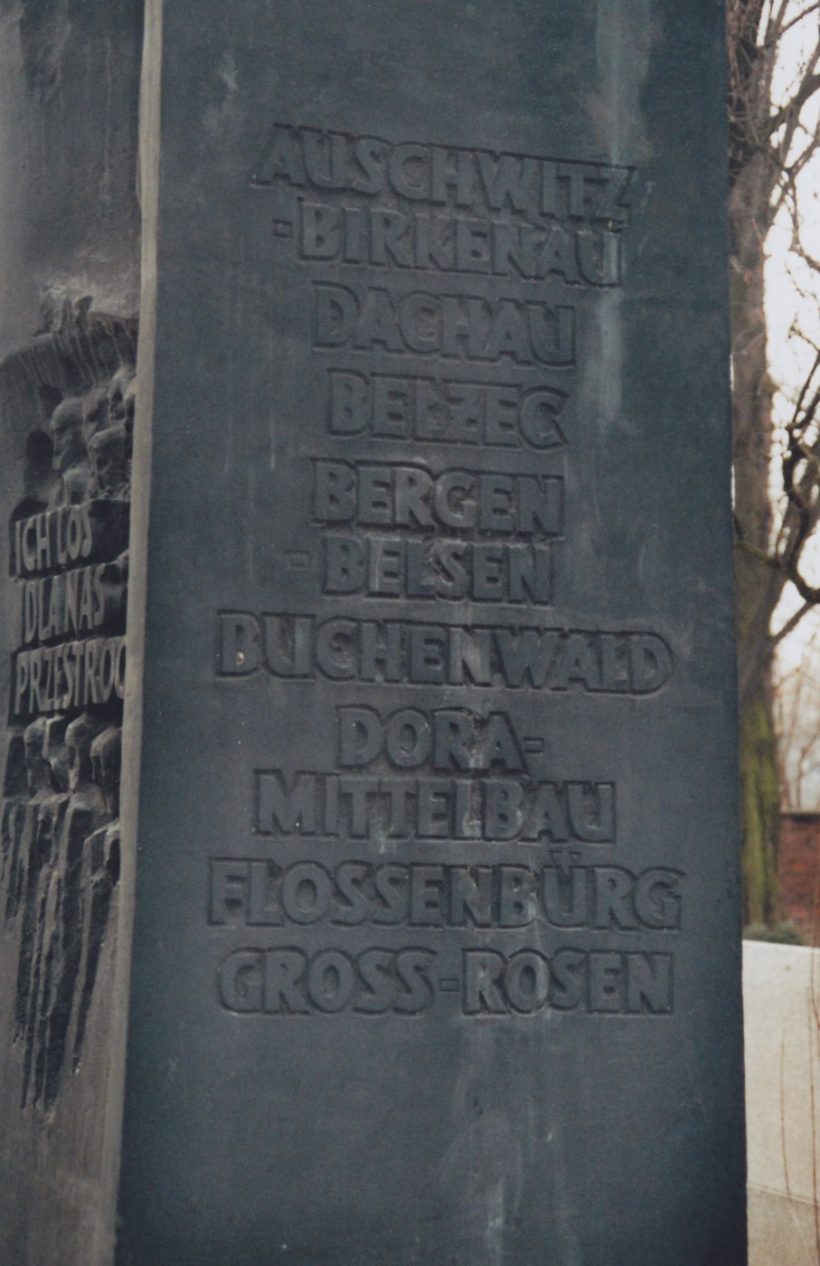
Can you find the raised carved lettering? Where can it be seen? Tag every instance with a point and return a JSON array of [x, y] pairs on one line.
[[542, 189], [600, 899], [445, 411], [301, 647], [497, 810], [461, 327], [428, 242], [527, 982], [290, 982], [409, 496], [398, 242]]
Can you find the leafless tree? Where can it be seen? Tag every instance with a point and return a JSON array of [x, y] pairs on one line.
[[797, 726], [773, 136]]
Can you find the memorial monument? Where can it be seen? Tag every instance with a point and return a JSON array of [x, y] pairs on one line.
[[412, 934]]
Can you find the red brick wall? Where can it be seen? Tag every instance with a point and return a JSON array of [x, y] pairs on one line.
[[800, 872]]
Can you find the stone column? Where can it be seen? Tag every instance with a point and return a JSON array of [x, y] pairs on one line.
[[69, 259]]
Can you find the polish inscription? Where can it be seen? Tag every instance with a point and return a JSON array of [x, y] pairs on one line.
[[453, 327], [444, 411], [445, 291], [59, 816], [404, 652], [408, 497], [446, 208], [72, 608]]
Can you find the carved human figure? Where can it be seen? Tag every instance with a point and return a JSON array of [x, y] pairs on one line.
[[38, 770], [46, 815], [103, 854], [108, 457], [59, 909], [121, 397], [47, 802], [56, 751], [12, 825], [61, 785], [79, 736], [70, 457], [14, 820], [96, 412], [105, 765]]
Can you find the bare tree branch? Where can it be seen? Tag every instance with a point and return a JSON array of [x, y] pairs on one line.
[[792, 623], [779, 27]]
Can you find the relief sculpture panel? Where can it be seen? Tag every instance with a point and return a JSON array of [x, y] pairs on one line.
[[67, 580]]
